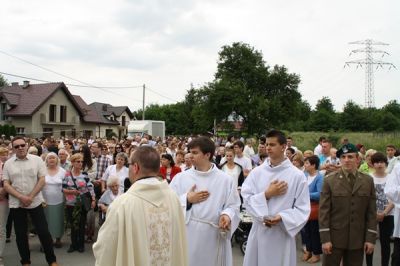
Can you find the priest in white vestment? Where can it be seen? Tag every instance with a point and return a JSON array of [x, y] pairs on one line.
[[145, 226], [277, 197], [211, 203]]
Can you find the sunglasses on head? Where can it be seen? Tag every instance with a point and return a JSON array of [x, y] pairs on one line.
[[19, 146]]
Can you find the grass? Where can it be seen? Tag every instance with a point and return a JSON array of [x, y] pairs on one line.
[[378, 141]]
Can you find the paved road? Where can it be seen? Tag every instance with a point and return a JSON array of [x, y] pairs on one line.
[[11, 256]]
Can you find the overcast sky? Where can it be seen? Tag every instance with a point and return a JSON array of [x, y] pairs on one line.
[[170, 44]]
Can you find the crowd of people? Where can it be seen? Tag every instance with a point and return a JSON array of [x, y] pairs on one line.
[[170, 202]]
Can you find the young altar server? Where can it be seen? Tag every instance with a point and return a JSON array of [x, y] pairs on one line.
[[211, 205], [276, 195]]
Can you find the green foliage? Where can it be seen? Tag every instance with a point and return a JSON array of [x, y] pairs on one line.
[[246, 89], [3, 81], [8, 130], [378, 141]]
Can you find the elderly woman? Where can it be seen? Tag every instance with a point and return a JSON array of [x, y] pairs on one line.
[[168, 169], [113, 191], [4, 210], [53, 195], [119, 170], [76, 185], [33, 150]]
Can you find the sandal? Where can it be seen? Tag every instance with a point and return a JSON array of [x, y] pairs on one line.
[[306, 256], [314, 259]]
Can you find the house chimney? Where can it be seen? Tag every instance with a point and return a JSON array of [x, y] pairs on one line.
[[14, 83], [26, 84]]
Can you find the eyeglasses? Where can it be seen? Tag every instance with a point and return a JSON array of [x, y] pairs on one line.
[[78, 161], [19, 146]]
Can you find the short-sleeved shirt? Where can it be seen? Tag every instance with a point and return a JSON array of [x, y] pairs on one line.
[[23, 175], [102, 163]]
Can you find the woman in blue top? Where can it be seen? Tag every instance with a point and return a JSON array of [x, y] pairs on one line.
[[311, 229]]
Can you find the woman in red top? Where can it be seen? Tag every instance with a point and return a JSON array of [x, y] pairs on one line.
[[168, 169]]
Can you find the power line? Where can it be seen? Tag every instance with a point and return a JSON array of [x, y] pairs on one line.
[[65, 76], [46, 81], [159, 94], [69, 84]]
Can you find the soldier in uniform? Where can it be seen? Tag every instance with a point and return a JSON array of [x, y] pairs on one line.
[[347, 214]]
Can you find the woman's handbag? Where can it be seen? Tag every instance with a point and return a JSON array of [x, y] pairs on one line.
[[86, 200], [314, 211]]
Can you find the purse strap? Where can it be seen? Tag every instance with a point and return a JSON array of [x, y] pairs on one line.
[[73, 180]]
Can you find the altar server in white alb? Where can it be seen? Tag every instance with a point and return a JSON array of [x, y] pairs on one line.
[[144, 226], [211, 203], [392, 191], [276, 195]]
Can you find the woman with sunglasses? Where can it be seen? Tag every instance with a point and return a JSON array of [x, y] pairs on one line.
[[118, 149], [75, 184]]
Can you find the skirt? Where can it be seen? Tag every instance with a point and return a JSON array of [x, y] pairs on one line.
[[55, 219]]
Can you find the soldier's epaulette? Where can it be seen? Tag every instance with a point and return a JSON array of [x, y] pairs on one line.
[[331, 174], [359, 173]]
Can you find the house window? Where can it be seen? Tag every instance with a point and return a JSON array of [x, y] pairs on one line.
[[63, 113], [20, 130], [123, 121], [47, 131], [73, 132], [62, 133], [3, 110], [52, 113]]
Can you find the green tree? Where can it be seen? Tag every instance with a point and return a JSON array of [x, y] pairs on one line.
[[3, 81], [352, 118], [324, 117], [390, 122], [244, 86], [393, 107]]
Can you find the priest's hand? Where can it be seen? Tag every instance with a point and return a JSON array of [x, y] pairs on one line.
[[272, 221], [224, 222], [197, 197], [368, 248], [327, 248], [276, 188]]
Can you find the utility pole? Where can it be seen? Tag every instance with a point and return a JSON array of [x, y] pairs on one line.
[[143, 106], [369, 63]]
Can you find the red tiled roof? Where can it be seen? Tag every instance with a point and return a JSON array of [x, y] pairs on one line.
[[90, 114], [26, 101]]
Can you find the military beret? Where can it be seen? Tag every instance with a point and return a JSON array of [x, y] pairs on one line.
[[347, 148]]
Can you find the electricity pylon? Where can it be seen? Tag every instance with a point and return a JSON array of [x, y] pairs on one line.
[[369, 63]]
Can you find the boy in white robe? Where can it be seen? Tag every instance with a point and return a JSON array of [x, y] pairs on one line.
[[211, 205], [276, 195], [144, 226]]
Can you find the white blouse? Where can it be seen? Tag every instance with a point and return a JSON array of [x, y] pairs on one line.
[[52, 191]]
